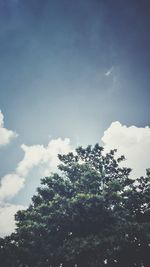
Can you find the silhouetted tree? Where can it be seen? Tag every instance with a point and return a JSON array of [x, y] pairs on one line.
[[89, 214]]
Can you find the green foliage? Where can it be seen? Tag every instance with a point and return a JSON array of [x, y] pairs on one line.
[[92, 214]]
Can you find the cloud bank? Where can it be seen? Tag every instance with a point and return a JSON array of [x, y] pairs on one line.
[[7, 222], [133, 142], [45, 160], [5, 135]]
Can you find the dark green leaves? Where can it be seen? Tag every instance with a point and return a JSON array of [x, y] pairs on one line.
[[91, 214]]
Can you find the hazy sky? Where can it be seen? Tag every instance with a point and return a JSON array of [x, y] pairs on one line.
[[69, 69]]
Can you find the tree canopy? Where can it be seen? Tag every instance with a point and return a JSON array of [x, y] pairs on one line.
[[90, 213]]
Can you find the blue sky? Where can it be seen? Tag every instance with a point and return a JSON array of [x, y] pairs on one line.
[[70, 69]]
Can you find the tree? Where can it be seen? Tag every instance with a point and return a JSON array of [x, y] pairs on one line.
[[88, 214]]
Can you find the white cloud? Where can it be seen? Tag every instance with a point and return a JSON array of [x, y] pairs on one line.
[[132, 142], [7, 221], [54, 148], [47, 157], [109, 72], [46, 161], [10, 186], [44, 158], [5, 135], [33, 156]]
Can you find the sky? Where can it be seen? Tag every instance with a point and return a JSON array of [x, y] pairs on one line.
[[71, 73]]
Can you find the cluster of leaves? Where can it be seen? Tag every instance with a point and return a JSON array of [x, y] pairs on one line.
[[89, 214]]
